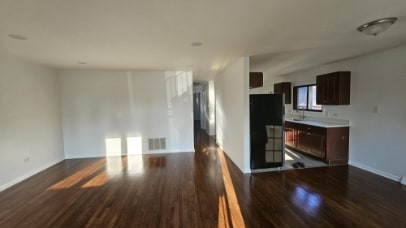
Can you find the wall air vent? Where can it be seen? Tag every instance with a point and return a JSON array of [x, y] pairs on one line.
[[162, 143], [150, 144], [157, 144]]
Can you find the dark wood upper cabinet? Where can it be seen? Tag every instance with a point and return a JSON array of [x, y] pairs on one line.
[[333, 88], [256, 79], [284, 88]]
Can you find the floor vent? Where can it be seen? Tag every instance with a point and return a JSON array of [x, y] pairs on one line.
[[157, 144]]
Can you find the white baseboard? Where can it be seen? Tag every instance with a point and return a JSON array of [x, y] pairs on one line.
[[179, 151], [143, 153], [247, 171], [376, 171], [220, 145], [29, 174], [84, 156]]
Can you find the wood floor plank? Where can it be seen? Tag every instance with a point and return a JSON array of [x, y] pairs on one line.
[[201, 189]]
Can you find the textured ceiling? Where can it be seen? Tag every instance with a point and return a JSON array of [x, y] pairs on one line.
[[281, 36]]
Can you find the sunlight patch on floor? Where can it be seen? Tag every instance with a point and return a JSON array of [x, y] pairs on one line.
[[97, 181], [230, 208], [223, 217], [76, 177], [288, 158]]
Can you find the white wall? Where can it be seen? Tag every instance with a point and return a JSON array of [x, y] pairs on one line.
[[30, 124], [232, 112], [106, 112], [212, 108], [377, 140], [204, 95]]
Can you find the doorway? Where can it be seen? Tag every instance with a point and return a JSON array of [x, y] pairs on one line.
[[204, 107]]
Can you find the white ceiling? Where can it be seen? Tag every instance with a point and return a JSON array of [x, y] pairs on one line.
[[282, 36]]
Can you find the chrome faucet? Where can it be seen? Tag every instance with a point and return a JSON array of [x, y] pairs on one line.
[[303, 111]]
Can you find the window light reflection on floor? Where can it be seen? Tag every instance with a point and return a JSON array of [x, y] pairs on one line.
[[135, 165], [114, 166], [307, 200]]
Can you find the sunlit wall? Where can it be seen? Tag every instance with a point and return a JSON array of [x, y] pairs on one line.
[[113, 113], [232, 112]]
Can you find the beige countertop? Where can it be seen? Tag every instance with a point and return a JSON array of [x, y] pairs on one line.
[[316, 123]]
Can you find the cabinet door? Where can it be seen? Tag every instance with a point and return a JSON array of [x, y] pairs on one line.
[[317, 145], [333, 88], [319, 90], [287, 90], [324, 85], [284, 88], [290, 137], [255, 79], [277, 88], [311, 142], [302, 142], [337, 145]]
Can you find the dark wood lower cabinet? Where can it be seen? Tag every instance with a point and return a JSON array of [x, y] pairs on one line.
[[312, 143], [337, 145], [327, 144], [290, 137]]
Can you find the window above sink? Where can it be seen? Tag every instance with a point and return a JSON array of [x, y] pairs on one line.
[[304, 98]]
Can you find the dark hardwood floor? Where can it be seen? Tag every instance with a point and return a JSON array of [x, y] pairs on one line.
[[202, 189]]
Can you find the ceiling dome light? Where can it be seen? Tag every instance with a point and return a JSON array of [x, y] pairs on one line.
[[17, 37], [377, 26], [196, 44]]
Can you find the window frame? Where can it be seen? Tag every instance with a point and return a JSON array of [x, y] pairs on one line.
[[295, 98]]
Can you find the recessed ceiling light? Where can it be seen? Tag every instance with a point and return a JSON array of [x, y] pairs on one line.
[[81, 63], [196, 44], [17, 37]]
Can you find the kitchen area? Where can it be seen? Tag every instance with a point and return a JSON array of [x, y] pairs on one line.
[[310, 136]]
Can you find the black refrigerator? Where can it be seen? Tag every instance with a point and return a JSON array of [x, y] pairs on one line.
[[266, 130]]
